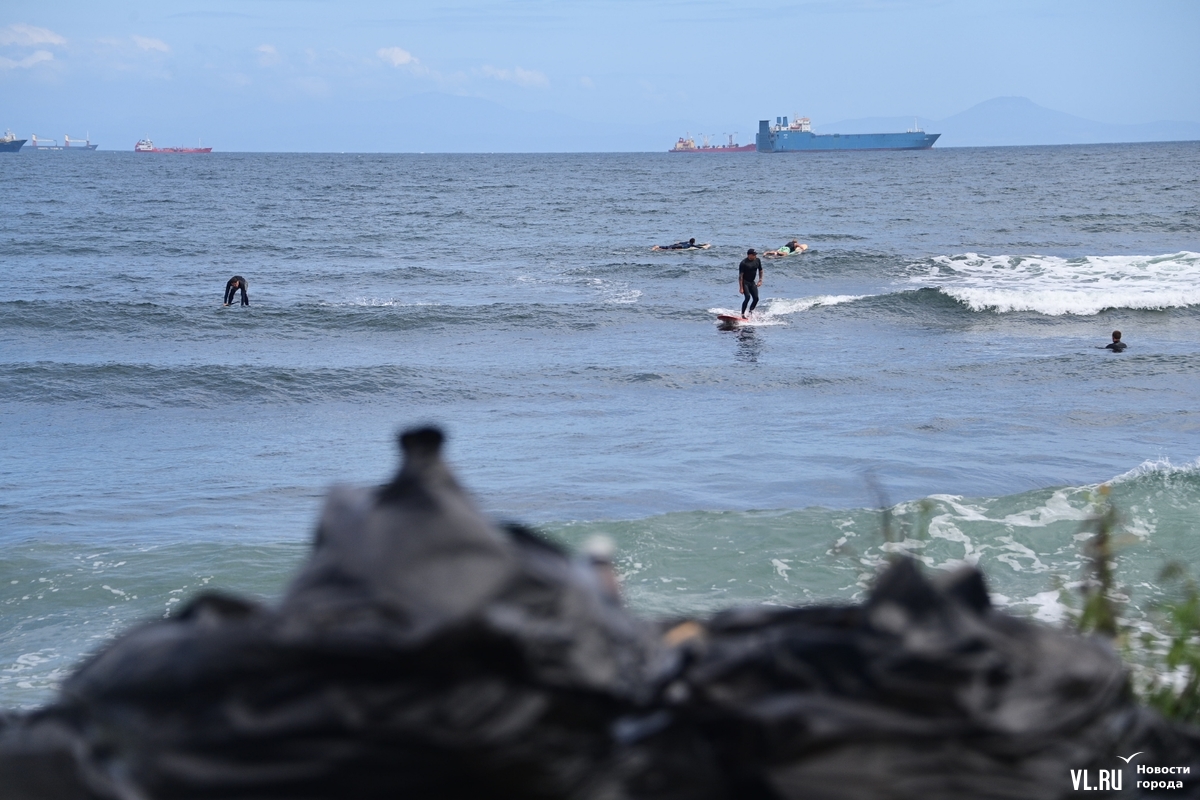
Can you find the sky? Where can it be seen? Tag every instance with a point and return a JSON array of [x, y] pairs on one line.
[[368, 75]]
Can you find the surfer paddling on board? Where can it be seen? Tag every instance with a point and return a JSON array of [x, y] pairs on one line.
[[790, 249], [231, 288], [747, 270], [690, 244]]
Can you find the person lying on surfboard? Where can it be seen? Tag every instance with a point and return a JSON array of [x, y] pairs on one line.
[[790, 249], [747, 270], [690, 244]]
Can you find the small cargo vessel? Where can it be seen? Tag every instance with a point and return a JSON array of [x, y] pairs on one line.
[[67, 145], [797, 137], [687, 144], [9, 143], [147, 146]]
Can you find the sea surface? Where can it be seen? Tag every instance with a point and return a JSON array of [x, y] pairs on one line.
[[937, 351]]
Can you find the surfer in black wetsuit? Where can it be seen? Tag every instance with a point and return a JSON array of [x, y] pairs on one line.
[[1116, 345], [231, 288], [747, 270], [688, 245]]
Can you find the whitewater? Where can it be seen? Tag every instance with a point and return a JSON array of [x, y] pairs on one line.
[[938, 351]]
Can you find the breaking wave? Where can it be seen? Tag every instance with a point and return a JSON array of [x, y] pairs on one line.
[[1059, 286]]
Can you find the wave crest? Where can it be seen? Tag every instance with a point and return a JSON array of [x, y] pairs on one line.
[[1060, 286]]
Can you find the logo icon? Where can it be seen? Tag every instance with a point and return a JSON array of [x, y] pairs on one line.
[[1127, 759]]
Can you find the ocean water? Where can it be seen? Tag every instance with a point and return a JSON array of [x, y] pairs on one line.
[[937, 351]]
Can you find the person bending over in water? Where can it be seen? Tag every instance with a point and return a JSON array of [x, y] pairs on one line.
[[1116, 345], [231, 288], [747, 270]]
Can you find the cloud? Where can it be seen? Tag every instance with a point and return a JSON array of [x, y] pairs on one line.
[[397, 56], [151, 44], [28, 61], [517, 75], [317, 87], [268, 55], [26, 35]]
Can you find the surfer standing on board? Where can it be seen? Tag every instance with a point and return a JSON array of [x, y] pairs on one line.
[[747, 271], [231, 288]]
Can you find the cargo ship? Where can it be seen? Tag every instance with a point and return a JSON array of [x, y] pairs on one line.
[[10, 143], [687, 144], [797, 137], [147, 146], [73, 146]]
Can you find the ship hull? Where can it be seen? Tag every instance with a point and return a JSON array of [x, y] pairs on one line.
[[177, 150], [11, 147], [62, 148], [785, 141]]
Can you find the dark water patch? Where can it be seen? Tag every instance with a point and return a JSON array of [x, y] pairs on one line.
[[216, 385], [155, 320]]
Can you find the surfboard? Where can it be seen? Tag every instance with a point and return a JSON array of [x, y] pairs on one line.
[[731, 320]]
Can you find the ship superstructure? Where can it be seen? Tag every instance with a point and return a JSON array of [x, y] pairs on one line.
[[9, 143]]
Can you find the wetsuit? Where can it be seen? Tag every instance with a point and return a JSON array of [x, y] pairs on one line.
[[231, 289], [750, 268], [1116, 347]]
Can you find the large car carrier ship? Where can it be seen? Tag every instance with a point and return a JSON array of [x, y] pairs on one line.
[[797, 137]]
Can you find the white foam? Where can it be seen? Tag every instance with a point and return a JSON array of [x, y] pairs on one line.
[[1159, 466], [615, 291], [376, 302], [1056, 286], [1015, 551], [774, 311], [781, 567], [1057, 508], [782, 306], [1049, 606]]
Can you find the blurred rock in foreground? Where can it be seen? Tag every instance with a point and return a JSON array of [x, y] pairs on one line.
[[424, 652]]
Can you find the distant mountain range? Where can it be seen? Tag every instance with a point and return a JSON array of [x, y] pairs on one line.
[[434, 122], [1019, 121]]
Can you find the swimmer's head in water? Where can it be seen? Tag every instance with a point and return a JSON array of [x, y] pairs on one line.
[[1116, 336]]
